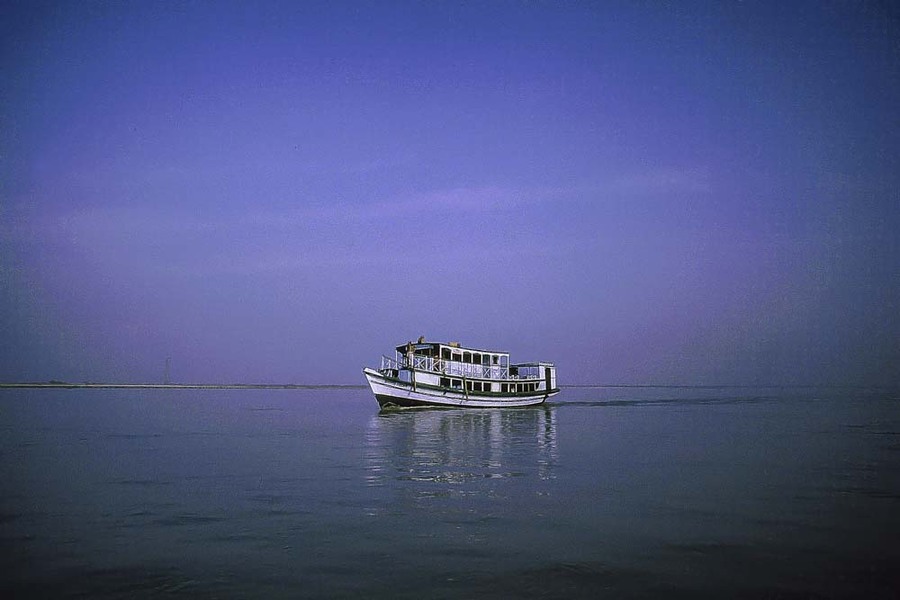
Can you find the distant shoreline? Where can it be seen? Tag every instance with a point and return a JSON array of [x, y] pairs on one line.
[[349, 386], [183, 386], [761, 386]]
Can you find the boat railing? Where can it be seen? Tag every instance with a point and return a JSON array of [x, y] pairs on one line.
[[390, 364], [454, 368]]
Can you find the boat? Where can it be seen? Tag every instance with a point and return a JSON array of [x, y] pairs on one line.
[[448, 374]]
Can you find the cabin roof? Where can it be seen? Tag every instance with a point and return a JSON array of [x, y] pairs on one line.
[[454, 345]]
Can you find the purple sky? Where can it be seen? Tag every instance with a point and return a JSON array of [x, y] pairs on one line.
[[642, 192]]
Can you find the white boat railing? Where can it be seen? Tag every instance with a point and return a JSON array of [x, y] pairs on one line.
[[453, 368]]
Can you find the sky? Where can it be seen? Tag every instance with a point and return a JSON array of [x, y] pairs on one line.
[[694, 193]]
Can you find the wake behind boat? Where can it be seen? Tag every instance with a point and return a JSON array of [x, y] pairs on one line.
[[447, 374]]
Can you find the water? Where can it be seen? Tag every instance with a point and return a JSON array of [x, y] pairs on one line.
[[313, 493]]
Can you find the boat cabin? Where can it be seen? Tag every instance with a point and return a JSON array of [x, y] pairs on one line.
[[450, 366]]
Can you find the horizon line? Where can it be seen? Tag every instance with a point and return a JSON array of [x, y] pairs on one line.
[[55, 384]]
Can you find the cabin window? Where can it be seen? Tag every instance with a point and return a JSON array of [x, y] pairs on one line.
[[488, 387], [457, 383], [495, 359], [445, 353], [476, 386], [504, 360], [504, 388], [467, 357], [445, 382], [456, 356]]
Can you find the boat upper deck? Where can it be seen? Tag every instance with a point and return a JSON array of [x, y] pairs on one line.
[[452, 359]]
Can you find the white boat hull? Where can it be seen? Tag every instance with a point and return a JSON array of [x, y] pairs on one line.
[[393, 392]]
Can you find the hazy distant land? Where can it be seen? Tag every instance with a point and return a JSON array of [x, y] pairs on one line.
[[181, 386], [306, 386]]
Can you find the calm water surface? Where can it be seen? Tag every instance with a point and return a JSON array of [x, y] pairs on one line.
[[608, 492]]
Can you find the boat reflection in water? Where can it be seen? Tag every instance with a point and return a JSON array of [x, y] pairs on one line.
[[440, 452]]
